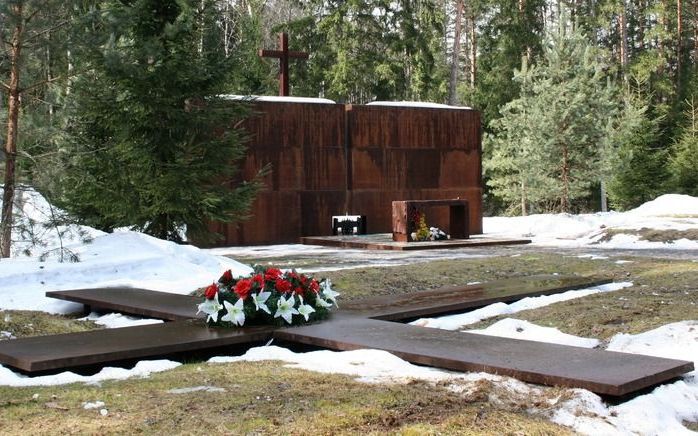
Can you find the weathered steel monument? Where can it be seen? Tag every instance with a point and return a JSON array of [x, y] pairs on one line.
[[329, 159]]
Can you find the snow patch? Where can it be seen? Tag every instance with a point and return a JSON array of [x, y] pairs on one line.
[[195, 389], [142, 369], [455, 322], [277, 99], [117, 320], [519, 329], [422, 104]]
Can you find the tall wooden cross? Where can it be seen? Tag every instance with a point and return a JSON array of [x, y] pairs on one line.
[[283, 54]]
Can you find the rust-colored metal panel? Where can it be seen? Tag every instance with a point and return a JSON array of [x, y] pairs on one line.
[[286, 167], [324, 168], [459, 169], [285, 124], [413, 127], [367, 165], [276, 218], [318, 208]]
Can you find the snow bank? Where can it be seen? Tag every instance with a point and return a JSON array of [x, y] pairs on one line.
[[669, 205], [659, 412], [32, 233], [575, 231], [119, 259], [142, 369]]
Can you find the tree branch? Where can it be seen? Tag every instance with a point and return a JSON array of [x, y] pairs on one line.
[[49, 30], [39, 83]]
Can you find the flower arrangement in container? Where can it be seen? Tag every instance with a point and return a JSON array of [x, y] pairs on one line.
[[267, 296], [423, 231]]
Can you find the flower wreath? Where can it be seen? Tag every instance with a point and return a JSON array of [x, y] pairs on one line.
[[267, 296]]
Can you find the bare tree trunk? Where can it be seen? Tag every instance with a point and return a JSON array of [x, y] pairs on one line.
[[11, 142], [455, 56], [565, 175], [623, 30], [679, 42], [695, 30], [473, 47]]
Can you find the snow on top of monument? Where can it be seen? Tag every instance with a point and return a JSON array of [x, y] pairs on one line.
[[278, 99], [669, 205], [422, 104]]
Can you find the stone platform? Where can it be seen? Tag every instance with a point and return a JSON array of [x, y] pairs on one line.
[[384, 241]]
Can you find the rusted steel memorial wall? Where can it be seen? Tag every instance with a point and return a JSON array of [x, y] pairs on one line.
[[328, 159]]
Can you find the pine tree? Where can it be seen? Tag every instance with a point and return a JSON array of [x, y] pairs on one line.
[[555, 132], [153, 146], [32, 59]]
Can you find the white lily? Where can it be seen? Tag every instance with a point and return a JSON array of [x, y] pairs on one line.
[[236, 312], [210, 308], [260, 301], [320, 302], [285, 309], [305, 310], [328, 292]]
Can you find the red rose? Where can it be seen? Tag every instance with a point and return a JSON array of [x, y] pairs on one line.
[[259, 280], [211, 291], [283, 286], [272, 274], [304, 279], [243, 288], [314, 286], [226, 278], [298, 291]]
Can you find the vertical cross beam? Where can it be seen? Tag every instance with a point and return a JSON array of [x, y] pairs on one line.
[[283, 54]]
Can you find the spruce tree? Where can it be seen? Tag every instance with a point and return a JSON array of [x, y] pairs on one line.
[[683, 165], [636, 168], [153, 147]]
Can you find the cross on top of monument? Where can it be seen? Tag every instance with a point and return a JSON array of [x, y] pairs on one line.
[[283, 54]]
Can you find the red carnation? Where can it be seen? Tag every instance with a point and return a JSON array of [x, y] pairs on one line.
[[226, 278], [243, 288], [314, 286], [211, 291], [272, 274], [283, 286]]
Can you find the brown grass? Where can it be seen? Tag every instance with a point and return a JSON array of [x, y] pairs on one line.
[[259, 398]]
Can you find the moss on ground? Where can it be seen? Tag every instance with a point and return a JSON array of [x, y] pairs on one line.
[[653, 235], [23, 323]]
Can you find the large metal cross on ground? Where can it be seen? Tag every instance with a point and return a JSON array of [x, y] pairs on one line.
[[367, 323], [283, 54]]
